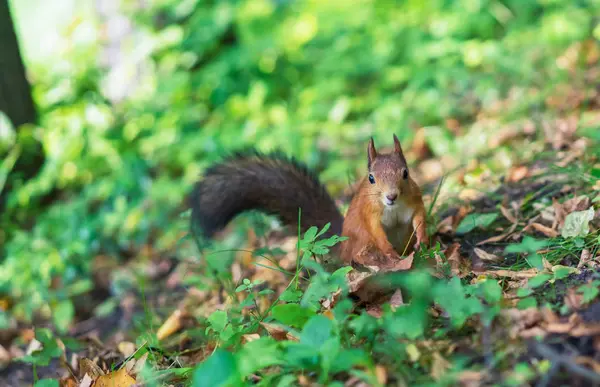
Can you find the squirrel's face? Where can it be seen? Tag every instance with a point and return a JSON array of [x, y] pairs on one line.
[[388, 173]]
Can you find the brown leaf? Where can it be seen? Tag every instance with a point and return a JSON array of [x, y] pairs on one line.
[[5, 357], [86, 381], [278, 333], [573, 299], [439, 366], [127, 348], [397, 299], [171, 325], [508, 215], [399, 265], [485, 256], [356, 279], [511, 274], [547, 231], [498, 238], [381, 374], [86, 366], [250, 337], [456, 261], [118, 378], [470, 378], [450, 223], [579, 203], [138, 366], [584, 259], [517, 173]]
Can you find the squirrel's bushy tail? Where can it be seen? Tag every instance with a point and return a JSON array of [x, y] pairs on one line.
[[271, 183]]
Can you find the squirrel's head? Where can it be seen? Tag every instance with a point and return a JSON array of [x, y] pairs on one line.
[[388, 173]]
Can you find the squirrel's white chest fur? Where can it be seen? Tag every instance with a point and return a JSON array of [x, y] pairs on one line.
[[396, 223], [397, 215]]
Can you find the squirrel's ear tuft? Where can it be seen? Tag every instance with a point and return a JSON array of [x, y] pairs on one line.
[[398, 148], [371, 152]]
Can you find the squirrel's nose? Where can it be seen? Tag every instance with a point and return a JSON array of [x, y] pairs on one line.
[[392, 197]]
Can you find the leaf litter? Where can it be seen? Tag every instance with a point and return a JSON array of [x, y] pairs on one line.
[[472, 237]]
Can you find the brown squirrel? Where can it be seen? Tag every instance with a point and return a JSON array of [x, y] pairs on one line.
[[384, 217]]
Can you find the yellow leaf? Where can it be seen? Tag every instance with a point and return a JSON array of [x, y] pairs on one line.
[[413, 352], [118, 378]]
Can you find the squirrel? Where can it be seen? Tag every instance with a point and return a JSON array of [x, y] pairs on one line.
[[385, 215]]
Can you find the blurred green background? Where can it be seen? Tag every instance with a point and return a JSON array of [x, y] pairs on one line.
[[136, 98]]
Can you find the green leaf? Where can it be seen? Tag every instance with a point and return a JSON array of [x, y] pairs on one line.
[[218, 320], [492, 292], [577, 224], [561, 272], [524, 292], [316, 331], [240, 288], [258, 354], [46, 383], [538, 280], [310, 234], [63, 315], [528, 302], [349, 358], [527, 245], [324, 230], [292, 314], [535, 260], [219, 369], [475, 220], [291, 295], [589, 291]]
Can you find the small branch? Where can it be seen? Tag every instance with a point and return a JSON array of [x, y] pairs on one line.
[[567, 362]]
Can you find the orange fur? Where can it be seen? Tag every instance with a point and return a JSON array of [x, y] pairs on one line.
[[374, 227]]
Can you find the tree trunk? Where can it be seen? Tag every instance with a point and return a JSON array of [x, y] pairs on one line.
[[15, 91]]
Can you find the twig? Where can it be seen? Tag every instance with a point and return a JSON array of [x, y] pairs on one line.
[[567, 362]]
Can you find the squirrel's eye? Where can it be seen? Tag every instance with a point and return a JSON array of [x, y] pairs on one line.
[[405, 173], [371, 179]]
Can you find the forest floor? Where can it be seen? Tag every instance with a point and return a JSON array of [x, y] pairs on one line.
[[532, 231]]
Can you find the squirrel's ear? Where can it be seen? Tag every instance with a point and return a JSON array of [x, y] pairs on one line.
[[371, 152], [398, 148]]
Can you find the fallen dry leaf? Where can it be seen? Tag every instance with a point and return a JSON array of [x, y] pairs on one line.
[[573, 299], [118, 378], [517, 173], [171, 325], [547, 231], [396, 299], [449, 224], [470, 378], [439, 366], [4, 357], [511, 274], [508, 215], [127, 348], [485, 256], [86, 381], [381, 374], [374, 310], [458, 264], [579, 203], [250, 337], [586, 257], [87, 366], [277, 332], [498, 238]]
